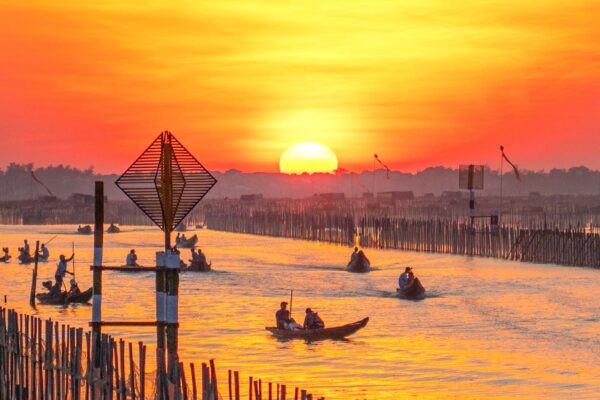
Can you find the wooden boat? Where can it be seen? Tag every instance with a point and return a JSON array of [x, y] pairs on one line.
[[82, 297], [25, 259], [63, 298], [188, 243], [5, 259], [415, 292], [200, 268], [338, 332], [113, 229], [358, 267], [85, 230]]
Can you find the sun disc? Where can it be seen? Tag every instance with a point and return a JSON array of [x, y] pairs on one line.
[[308, 157]]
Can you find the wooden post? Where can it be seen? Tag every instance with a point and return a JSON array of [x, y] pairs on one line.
[[34, 276], [97, 285]]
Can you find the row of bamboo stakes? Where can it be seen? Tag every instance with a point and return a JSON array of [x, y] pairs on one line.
[[537, 244], [46, 360]]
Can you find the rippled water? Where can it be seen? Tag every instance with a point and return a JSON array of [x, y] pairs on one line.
[[492, 329]]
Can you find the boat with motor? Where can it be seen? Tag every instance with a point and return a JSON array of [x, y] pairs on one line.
[[358, 267], [338, 332], [415, 292]]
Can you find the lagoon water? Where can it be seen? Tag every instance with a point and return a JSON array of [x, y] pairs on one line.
[[490, 329]]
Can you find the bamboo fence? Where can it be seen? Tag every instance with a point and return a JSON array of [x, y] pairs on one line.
[[46, 360]]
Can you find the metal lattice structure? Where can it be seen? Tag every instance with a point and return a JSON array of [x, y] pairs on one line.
[[166, 181], [470, 177]]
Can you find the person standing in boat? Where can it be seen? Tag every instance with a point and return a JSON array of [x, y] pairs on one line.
[[312, 320], [44, 253], [403, 279], [61, 269], [131, 260]]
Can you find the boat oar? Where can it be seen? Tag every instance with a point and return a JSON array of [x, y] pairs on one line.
[[34, 275], [291, 302]]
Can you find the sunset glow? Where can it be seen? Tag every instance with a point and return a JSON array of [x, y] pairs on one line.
[[433, 83], [308, 157]]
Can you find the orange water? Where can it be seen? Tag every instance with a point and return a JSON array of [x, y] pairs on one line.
[[491, 328]]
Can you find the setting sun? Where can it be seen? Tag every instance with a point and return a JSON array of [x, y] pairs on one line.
[[308, 157]]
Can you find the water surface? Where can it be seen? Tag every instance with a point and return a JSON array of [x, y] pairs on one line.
[[491, 328]]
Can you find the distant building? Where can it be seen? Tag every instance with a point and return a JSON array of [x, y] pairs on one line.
[[452, 195], [367, 195], [251, 197], [535, 195], [396, 195], [428, 196], [331, 196], [80, 199]]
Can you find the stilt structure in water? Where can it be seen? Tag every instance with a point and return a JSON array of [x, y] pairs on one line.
[[165, 182]]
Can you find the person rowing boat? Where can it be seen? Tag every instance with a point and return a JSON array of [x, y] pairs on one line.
[[61, 269]]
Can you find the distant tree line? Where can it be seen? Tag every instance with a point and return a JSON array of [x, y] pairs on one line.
[[17, 183]]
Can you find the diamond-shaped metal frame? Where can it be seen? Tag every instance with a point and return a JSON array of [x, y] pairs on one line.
[[142, 182]]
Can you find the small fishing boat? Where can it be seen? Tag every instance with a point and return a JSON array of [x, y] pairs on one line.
[[358, 267], [187, 243], [338, 332], [64, 298], [113, 229], [201, 225], [196, 267], [85, 230], [6, 257], [25, 258], [415, 292]]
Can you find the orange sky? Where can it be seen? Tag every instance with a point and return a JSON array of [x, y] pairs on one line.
[[419, 82]]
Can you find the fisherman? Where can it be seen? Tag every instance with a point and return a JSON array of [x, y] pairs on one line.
[[6, 256], [74, 290], [403, 279], [353, 256], [25, 248], [61, 269], [53, 290], [131, 260], [198, 260], [282, 317], [312, 320], [201, 259], [44, 253]]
